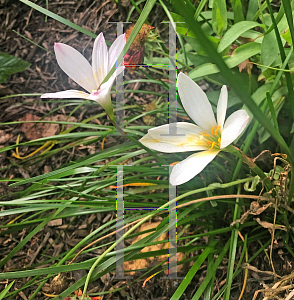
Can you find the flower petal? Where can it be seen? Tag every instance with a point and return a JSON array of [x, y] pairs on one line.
[[66, 94], [222, 106], [163, 139], [195, 102], [102, 96], [115, 50], [233, 127], [99, 59], [191, 166], [75, 65]]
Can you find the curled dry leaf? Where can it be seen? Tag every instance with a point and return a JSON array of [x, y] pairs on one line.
[[255, 209], [271, 227]]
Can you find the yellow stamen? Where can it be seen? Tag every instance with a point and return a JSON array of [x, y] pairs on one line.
[[213, 127], [216, 130], [219, 142], [205, 134], [212, 145]]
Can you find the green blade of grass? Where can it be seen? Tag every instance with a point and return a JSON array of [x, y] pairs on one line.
[[58, 18], [193, 270], [208, 277]]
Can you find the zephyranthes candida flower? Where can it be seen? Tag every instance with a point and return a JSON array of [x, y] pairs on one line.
[[210, 136], [75, 65]]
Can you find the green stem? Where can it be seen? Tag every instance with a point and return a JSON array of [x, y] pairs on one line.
[[233, 248]]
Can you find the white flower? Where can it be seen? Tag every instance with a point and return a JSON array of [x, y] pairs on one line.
[[209, 135], [75, 65]]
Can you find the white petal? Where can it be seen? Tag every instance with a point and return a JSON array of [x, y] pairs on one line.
[[179, 137], [191, 166], [195, 102], [115, 50], [102, 96], [233, 127], [99, 59], [75, 65], [66, 94], [222, 106]]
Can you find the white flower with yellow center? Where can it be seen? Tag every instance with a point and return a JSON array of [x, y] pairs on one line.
[[75, 65], [210, 135]]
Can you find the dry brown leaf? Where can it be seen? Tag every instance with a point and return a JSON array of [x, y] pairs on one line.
[[255, 209], [270, 226], [35, 131], [144, 263], [242, 65]]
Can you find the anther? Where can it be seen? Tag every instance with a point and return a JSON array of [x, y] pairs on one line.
[[212, 145], [205, 134], [213, 127], [219, 142], [216, 130]]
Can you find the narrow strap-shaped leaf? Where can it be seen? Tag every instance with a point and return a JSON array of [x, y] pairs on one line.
[[208, 277], [193, 270], [234, 32], [58, 18]]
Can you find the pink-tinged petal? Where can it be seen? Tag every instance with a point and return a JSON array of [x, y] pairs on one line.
[[115, 50], [234, 126], [66, 94], [222, 106], [75, 65], [100, 59], [102, 96], [177, 137], [191, 166], [195, 102]]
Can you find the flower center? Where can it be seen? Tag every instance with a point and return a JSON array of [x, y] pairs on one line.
[[96, 92], [212, 140]]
